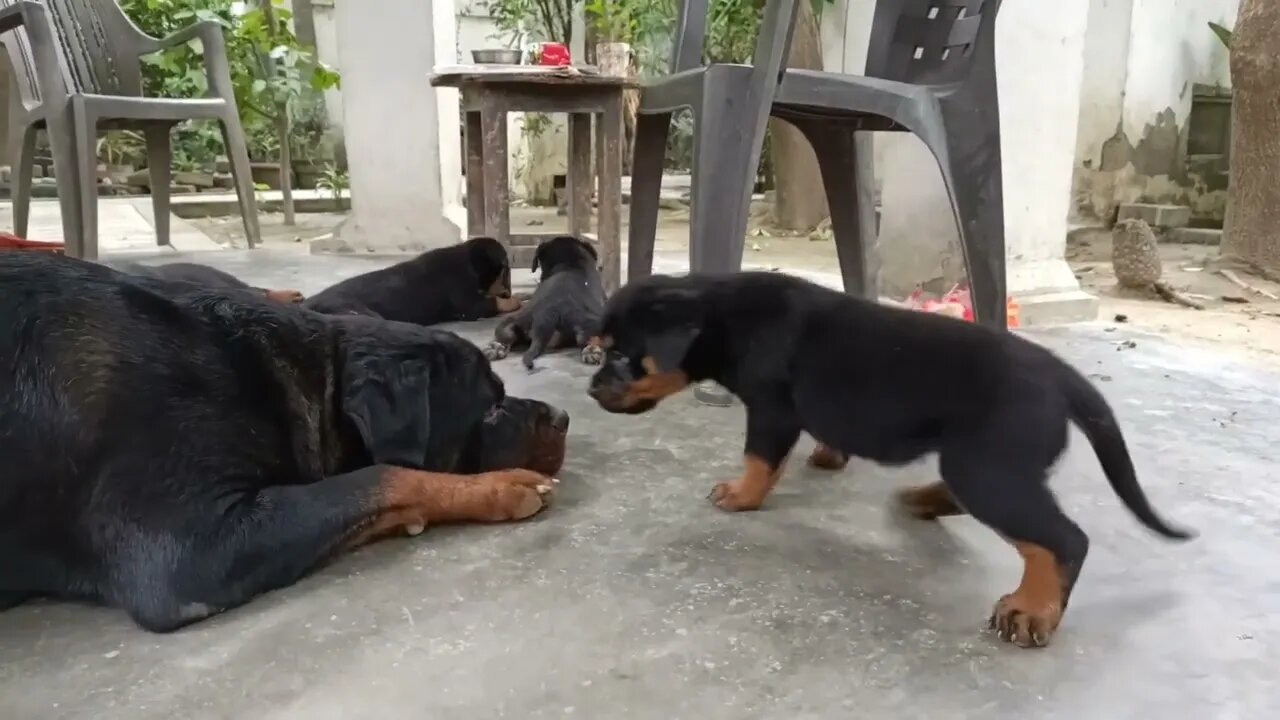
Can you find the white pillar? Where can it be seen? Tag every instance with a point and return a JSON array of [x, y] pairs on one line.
[[1039, 65], [402, 135]]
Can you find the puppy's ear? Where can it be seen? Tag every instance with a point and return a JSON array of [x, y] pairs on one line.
[[388, 400], [488, 260], [537, 257], [668, 348]]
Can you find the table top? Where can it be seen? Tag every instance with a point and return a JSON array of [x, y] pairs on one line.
[[567, 76]]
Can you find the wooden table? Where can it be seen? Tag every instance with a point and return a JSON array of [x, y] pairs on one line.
[[488, 94]]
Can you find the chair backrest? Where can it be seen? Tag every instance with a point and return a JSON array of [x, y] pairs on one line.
[[92, 38], [931, 42], [771, 45]]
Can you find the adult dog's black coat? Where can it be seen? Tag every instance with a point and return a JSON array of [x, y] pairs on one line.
[[468, 281], [176, 451], [888, 385], [564, 310], [203, 275]]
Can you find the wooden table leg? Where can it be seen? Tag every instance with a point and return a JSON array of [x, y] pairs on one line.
[[497, 204], [579, 173], [609, 144], [475, 176]]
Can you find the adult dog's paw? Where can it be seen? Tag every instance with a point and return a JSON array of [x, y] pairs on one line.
[[495, 351]]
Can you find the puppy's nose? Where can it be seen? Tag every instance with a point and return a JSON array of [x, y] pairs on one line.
[[560, 420]]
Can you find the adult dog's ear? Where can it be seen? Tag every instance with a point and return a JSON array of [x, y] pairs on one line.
[[591, 250], [388, 400]]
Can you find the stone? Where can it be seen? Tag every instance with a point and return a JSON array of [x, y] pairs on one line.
[[196, 179], [223, 180], [1134, 254], [141, 178], [1157, 216], [1195, 236], [37, 171]]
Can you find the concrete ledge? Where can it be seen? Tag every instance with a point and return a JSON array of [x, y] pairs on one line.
[[1157, 216], [1194, 236], [1055, 307]]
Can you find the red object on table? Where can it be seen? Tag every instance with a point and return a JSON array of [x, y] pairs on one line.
[[553, 53], [9, 241]]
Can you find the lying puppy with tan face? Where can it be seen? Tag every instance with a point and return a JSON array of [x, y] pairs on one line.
[[862, 379]]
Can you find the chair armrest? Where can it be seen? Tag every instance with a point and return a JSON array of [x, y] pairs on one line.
[[216, 66], [207, 31], [15, 15]]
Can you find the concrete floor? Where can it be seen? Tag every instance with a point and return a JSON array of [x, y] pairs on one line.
[[633, 598]]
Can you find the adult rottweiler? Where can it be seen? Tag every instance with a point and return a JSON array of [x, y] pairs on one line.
[[866, 380], [563, 311], [203, 275], [468, 281], [176, 451]]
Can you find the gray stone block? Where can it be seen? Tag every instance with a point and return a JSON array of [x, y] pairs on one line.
[[1195, 236], [1157, 216]]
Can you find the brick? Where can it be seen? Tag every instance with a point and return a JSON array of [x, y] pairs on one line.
[[1195, 236], [1157, 216]]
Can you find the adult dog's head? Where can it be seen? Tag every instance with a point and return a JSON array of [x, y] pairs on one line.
[[648, 331], [564, 253], [491, 266], [427, 399]]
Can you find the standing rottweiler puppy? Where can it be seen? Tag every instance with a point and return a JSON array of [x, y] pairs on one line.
[[468, 281], [177, 451], [564, 309], [203, 275], [863, 380]]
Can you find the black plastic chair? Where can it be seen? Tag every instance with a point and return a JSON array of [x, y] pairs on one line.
[[930, 71], [96, 84]]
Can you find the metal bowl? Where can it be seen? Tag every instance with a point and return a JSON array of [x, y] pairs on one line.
[[496, 57]]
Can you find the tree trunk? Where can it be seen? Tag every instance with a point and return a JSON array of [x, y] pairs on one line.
[[286, 166], [801, 201], [1252, 226]]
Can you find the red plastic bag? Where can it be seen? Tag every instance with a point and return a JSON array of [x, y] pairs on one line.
[[9, 241], [958, 304], [553, 53]]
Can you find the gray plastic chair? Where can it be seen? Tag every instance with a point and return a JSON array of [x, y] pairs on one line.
[[930, 71], [97, 48]]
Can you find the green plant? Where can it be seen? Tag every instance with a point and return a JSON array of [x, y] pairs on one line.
[[335, 181], [120, 147], [270, 70], [545, 20], [1224, 34]]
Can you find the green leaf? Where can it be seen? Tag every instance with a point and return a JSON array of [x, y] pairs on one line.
[[1224, 34]]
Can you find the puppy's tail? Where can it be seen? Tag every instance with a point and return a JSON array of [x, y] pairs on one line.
[[1090, 411], [539, 335]]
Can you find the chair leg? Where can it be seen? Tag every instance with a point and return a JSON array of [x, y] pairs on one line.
[[159, 165], [974, 184], [238, 153], [22, 154], [646, 190], [845, 160], [86, 180], [60, 128], [724, 175]]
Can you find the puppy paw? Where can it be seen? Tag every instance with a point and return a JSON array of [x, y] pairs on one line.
[[288, 297], [495, 351], [826, 458], [508, 304], [592, 355], [1027, 623], [516, 494], [731, 497], [929, 502]]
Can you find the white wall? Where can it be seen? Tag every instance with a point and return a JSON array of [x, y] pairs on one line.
[[1142, 59]]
